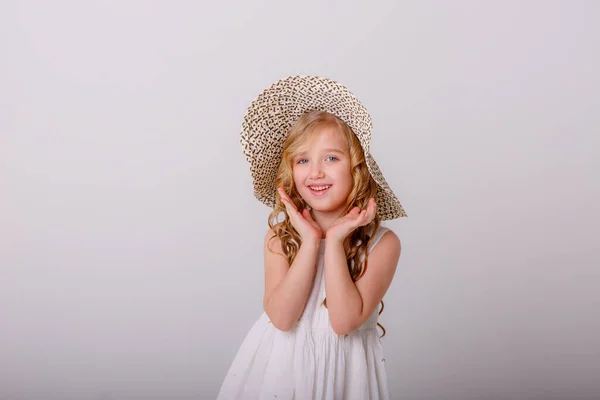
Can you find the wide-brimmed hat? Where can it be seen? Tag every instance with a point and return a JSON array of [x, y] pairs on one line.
[[271, 115]]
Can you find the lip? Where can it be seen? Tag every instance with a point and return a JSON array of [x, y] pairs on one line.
[[319, 192]]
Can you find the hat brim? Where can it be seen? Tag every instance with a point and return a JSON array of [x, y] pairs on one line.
[[388, 205], [270, 116]]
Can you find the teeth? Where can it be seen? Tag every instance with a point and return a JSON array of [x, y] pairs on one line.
[[319, 188]]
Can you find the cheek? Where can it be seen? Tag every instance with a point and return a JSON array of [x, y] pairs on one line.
[[348, 182], [344, 176], [297, 176]]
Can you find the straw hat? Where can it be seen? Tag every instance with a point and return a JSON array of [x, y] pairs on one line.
[[271, 115]]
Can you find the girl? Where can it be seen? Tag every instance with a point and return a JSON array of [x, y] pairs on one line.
[[327, 260]]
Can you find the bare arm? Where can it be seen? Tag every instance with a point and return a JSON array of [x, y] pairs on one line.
[[287, 287], [351, 303]]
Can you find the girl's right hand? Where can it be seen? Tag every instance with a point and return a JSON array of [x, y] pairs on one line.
[[302, 221]]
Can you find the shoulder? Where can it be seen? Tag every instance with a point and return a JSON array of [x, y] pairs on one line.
[[382, 264], [273, 249], [387, 244], [269, 234], [272, 241], [389, 236]]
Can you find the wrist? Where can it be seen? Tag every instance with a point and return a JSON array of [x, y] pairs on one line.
[[334, 240], [311, 243]]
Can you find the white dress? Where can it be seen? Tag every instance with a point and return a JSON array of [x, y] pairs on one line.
[[310, 361]]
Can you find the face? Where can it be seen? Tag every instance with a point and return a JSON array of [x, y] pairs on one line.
[[321, 171]]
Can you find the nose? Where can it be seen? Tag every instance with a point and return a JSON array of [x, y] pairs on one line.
[[316, 170]]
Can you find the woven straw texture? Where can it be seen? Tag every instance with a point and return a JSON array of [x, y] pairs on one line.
[[270, 116]]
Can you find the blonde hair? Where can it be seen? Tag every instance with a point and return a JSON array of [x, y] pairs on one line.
[[364, 187]]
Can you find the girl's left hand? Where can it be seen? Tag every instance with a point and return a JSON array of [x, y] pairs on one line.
[[343, 226]]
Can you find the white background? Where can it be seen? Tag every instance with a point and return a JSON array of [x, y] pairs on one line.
[[130, 255]]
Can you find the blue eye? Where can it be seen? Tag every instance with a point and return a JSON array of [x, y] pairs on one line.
[[302, 161], [332, 158]]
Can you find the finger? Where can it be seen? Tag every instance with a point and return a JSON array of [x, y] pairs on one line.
[[283, 194], [372, 208], [369, 213], [307, 215], [289, 205], [354, 214], [351, 216], [291, 208], [358, 219], [355, 218]]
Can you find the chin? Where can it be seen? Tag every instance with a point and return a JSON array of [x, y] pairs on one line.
[[327, 208], [324, 206]]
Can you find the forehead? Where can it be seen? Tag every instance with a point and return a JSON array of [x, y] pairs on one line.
[[324, 137]]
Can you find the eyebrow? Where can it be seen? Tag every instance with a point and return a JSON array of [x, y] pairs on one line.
[[330, 150], [333, 151]]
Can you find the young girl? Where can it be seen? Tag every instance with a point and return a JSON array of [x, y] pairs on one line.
[[327, 260]]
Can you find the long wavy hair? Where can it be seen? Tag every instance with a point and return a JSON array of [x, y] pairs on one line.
[[364, 187]]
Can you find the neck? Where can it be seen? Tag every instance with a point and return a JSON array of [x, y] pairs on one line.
[[325, 219]]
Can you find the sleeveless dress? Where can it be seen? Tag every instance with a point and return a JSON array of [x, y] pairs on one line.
[[310, 361]]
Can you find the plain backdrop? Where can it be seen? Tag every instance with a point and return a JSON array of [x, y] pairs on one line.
[[131, 243]]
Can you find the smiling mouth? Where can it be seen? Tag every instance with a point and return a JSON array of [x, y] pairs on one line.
[[319, 189]]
